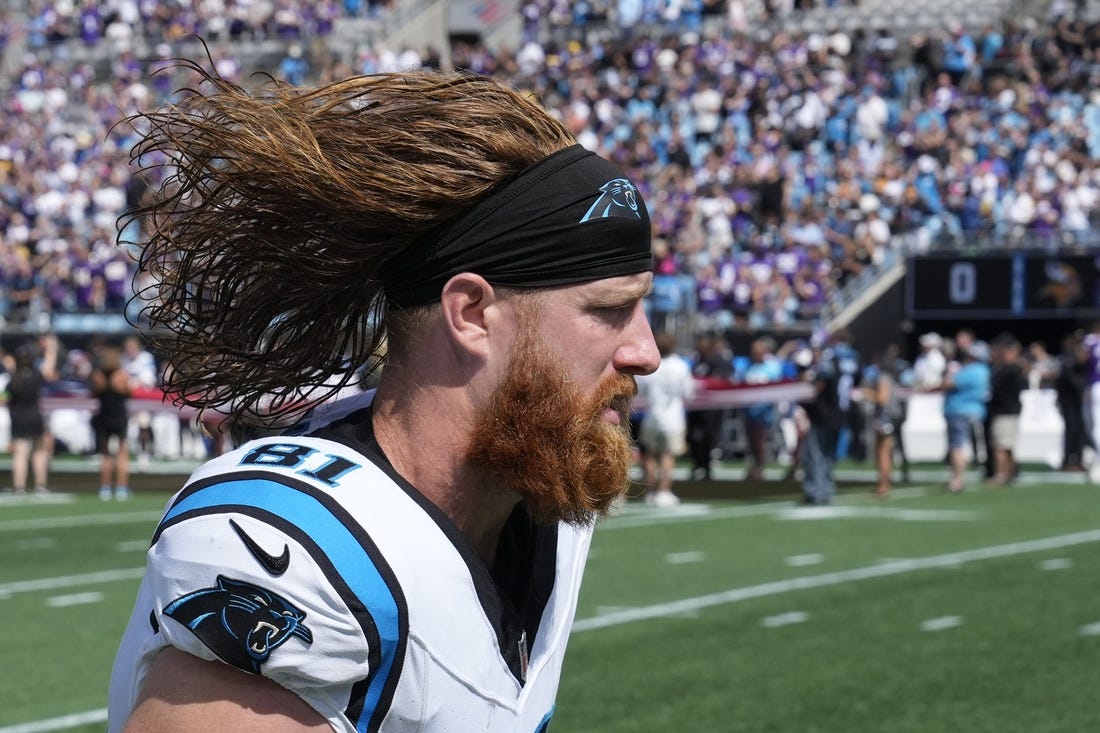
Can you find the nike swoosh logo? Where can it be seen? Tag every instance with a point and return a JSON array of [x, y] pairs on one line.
[[274, 564]]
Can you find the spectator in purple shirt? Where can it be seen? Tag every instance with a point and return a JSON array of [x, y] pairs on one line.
[[711, 302]]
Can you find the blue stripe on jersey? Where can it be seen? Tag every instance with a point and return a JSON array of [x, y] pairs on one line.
[[544, 724], [347, 554]]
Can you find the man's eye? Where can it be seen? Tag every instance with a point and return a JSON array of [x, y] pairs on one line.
[[614, 314], [602, 310]]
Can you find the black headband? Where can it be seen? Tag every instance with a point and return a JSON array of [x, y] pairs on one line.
[[570, 218]]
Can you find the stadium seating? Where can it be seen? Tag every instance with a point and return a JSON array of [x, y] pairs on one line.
[[53, 60]]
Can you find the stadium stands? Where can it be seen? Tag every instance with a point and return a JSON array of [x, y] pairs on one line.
[[781, 162]]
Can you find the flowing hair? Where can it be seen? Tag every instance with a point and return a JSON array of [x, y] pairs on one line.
[[278, 208]]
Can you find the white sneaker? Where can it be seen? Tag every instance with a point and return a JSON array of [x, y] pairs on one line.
[[663, 499], [104, 493], [122, 493]]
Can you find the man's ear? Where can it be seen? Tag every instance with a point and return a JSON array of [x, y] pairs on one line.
[[468, 304]]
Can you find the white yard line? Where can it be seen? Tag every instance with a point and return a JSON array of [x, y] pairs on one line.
[[133, 546], [897, 567], [61, 723], [74, 599], [85, 520], [682, 558], [854, 507], [69, 581], [691, 512], [35, 543], [802, 561], [785, 619], [1056, 563], [32, 498], [943, 623], [851, 511]]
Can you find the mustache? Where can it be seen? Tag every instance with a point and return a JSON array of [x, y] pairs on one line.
[[618, 393]]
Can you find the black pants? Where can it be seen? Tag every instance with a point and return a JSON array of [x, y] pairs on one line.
[[987, 430], [1076, 436], [702, 434]]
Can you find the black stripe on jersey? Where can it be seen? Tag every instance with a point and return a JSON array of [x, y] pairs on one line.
[[355, 708], [514, 595]]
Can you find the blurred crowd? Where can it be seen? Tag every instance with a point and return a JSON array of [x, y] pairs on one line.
[[782, 164], [52, 23], [777, 165], [858, 407], [987, 406]]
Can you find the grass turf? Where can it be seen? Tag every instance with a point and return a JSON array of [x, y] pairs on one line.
[[724, 615]]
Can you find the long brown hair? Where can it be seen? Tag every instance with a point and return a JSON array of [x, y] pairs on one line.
[[280, 206]]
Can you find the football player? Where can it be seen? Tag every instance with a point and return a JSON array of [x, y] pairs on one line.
[[406, 558]]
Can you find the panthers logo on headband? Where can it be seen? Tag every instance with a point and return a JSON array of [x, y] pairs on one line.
[[240, 622], [619, 197]]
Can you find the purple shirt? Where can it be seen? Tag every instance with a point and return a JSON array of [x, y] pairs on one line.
[[89, 25], [709, 295], [761, 266], [116, 273], [83, 273], [789, 262], [1092, 343]]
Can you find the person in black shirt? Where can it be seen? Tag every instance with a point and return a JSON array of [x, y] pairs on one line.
[[835, 373], [29, 438], [111, 385], [1070, 386], [1007, 382], [712, 360]]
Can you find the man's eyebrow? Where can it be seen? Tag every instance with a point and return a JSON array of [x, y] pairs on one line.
[[622, 296]]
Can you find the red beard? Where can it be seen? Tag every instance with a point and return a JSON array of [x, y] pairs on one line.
[[541, 438]]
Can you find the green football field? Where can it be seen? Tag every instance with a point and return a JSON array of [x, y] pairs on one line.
[[923, 613]]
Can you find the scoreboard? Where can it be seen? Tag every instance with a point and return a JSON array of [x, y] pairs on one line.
[[1003, 285]]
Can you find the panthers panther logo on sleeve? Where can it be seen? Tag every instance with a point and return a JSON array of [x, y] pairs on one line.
[[240, 622], [619, 198]]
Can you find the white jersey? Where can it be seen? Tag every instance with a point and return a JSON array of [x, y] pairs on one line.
[[309, 561], [665, 392], [141, 368], [929, 369]]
